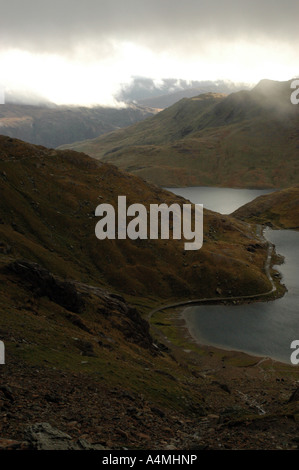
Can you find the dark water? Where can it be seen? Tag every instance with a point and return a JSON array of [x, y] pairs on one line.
[[223, 200], [263, 329]]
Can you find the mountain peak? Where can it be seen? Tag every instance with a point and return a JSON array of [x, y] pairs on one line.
[[272, 86]]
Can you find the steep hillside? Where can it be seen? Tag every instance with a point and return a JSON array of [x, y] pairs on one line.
[[48, 201], [80, 355], [168, 126], [247, 139], [279, 209], [53, 125]]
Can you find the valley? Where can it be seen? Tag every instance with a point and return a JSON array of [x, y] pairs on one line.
[[80, 353], [248, 139], [149, 230], [52, 125]]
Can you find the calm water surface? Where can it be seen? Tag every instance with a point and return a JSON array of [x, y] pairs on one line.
[[263, 328], [223, 200]]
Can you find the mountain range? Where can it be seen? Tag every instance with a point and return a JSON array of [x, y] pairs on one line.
[[90, 363], [246, 139], [147, 92], [51, 125]]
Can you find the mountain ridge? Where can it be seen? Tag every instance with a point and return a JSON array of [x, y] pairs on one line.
[[246, 139], [280, 210], [52, 125]]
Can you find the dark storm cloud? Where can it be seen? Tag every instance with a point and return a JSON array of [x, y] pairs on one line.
[[62, 25]]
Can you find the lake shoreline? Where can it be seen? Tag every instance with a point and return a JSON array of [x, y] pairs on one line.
[[266, 329], [261, 329]]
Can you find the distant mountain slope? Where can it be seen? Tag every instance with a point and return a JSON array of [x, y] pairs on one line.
[[247, 139], [147, 92], [52, 125], [279, 209]]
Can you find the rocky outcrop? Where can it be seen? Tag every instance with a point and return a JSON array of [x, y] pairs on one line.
[[74, 296], [43, 283], [42, 436], [295, 396], [133, 326]]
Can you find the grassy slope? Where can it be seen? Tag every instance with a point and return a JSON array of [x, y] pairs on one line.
[[48, 200], [47, 205], [248, 139], [279, 209]]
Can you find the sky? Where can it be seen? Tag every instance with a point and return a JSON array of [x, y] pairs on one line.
[[82, 52]]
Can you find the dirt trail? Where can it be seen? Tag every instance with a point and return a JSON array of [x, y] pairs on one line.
[[222, 299]]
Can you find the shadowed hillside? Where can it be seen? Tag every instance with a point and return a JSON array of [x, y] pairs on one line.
[[53, 125], [48, 201], [80, 354], [279, 209]]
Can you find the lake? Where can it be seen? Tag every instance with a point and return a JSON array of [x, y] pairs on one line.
[[263, 329], [223, 200]]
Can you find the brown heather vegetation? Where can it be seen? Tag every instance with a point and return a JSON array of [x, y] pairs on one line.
[[279, 209], [48, 200], [80, 354]]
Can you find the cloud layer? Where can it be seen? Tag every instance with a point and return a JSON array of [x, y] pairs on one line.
[[66, 26], [82, 52]]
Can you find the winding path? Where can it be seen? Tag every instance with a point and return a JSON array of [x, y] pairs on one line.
[[221, 299]]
